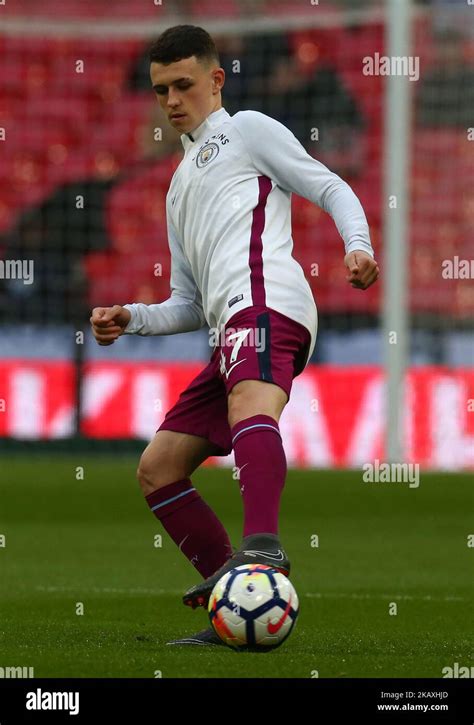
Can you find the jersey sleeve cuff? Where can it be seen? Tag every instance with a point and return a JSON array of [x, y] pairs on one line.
[[133, 326], [359, 246]]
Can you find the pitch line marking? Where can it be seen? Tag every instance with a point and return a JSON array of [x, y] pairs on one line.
[[346, 595], [310, 595]]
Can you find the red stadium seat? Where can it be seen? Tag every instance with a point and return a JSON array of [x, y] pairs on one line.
[[122, 126], [129, 277], [83, 9]]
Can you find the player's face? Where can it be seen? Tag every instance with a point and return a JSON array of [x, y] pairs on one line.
[[188, 91]]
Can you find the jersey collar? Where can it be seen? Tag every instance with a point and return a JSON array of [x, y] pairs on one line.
[[202, 131]]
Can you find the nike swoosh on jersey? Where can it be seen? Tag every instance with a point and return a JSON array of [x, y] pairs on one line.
[[273, 628], [278, 556]]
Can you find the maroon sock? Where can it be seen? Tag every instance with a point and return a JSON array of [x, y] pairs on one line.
[[192, 525], [261, 460]]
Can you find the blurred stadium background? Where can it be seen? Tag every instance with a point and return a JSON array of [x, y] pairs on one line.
[[86, 161]]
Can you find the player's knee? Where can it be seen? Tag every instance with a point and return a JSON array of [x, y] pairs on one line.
[[145, 478], [249, 398], [246, 400], [237, 405], [154, 474], [160, 465]]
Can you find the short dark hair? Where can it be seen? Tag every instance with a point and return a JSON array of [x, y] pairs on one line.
[[183, 41]]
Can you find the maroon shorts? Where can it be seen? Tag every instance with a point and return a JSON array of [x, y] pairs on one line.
[[257, 343]]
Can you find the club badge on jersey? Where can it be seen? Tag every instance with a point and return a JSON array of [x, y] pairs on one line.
[[207, 154]]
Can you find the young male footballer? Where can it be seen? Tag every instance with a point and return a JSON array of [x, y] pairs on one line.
[[229, 228]]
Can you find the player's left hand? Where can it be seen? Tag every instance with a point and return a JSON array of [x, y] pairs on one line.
[[363, 269]]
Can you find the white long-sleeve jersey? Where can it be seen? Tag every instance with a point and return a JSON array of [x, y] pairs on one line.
[[229, 225]]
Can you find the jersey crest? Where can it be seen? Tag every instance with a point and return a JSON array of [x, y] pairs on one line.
[[207, 154]]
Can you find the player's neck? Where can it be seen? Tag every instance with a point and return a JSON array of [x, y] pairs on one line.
[[193, 135]]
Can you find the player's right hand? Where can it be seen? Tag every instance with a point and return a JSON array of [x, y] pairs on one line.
[[108, 323]]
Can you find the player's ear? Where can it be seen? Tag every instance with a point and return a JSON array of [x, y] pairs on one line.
[[218, 79]]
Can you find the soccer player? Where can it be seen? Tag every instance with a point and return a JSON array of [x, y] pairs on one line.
[[229, 229]]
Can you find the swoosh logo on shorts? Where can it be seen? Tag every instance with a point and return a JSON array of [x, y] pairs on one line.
[[273, 628], [228, 372], [235, 365], [278, 556]]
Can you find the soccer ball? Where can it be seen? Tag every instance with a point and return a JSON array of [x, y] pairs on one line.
[[253, 607]]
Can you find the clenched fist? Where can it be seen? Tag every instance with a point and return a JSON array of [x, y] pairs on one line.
[[108, 323], [363, 269]]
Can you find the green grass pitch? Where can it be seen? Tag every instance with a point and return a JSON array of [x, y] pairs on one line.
[[93, 541]]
